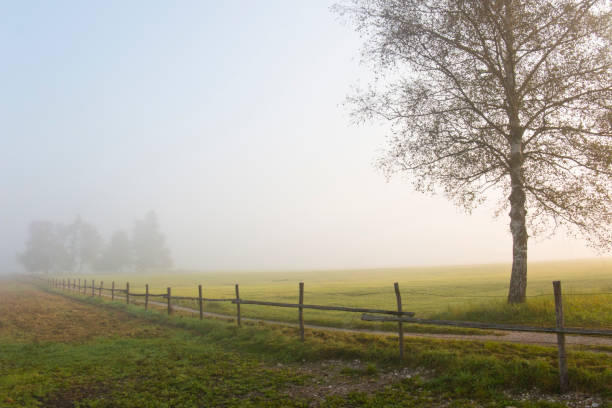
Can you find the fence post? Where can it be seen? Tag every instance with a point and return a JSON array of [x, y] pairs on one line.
[[563, 379], [84, 286], [146, 297], [200, 302], [400, 325], [79, 286], [127, 293], [169, 300], [238, 307], [100, 289], [301, 311], [93, 288], [113, 290]]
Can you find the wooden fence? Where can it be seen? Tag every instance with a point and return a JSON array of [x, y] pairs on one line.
[[375, 315]]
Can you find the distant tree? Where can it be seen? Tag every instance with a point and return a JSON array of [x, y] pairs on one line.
[[118, 253], [83, 244], [510, 96], [149, 245], [44, 250]]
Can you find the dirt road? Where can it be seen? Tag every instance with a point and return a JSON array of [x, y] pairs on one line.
[[549, 339]]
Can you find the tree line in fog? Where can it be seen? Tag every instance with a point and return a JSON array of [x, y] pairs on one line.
[[78, 247]]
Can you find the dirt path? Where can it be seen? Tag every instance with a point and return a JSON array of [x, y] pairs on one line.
[[549, 339]]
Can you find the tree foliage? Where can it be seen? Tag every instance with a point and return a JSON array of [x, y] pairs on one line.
[[117, 254], [149, 244], [83, 244], [78, 246], [512, 97], [44, 251]]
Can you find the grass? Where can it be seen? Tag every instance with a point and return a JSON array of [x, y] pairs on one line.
[[58, 351], [469, 292]]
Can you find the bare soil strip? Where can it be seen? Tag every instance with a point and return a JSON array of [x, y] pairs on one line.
[[29, 314]]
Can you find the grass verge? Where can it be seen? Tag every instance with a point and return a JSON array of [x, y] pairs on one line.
[[482, 367], [148, 359]]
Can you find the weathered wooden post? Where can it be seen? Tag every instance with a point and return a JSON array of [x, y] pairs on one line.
[[200, 302], [238, 307], [146, 297], [93, 288], [169, 296], [400, 325], [301, 311], [563, 379], [127, 293], [113, 290], [84, 286], [100, 288], [79, 285]]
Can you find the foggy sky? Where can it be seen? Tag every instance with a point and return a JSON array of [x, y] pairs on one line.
[[227, 119]]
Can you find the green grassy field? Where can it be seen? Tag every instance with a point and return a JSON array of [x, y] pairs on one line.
[[468, 292], [65, 350]]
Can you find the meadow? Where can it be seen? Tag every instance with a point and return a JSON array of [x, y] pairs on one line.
[[466, 292], [60, 349]]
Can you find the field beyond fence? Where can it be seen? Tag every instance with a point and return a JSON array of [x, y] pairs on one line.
[[397, 316]]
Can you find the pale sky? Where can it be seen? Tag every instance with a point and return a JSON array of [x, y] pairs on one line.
[[227, 119]]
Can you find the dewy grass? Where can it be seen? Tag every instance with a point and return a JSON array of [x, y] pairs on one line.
[[460, 366], [157, 360], [476, 292], [579, 311]]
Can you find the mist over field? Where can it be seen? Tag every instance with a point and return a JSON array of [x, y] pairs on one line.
[[227, 120]]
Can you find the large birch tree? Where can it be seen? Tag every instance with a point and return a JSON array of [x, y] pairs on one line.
[[503, 98]]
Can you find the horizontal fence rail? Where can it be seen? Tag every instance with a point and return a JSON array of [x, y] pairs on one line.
[[321, 307], [489, 326], [397, 316]]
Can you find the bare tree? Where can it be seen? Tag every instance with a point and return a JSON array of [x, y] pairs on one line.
[[508, 96]]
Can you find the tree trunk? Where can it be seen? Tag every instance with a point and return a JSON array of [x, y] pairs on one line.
[[518, 279]]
